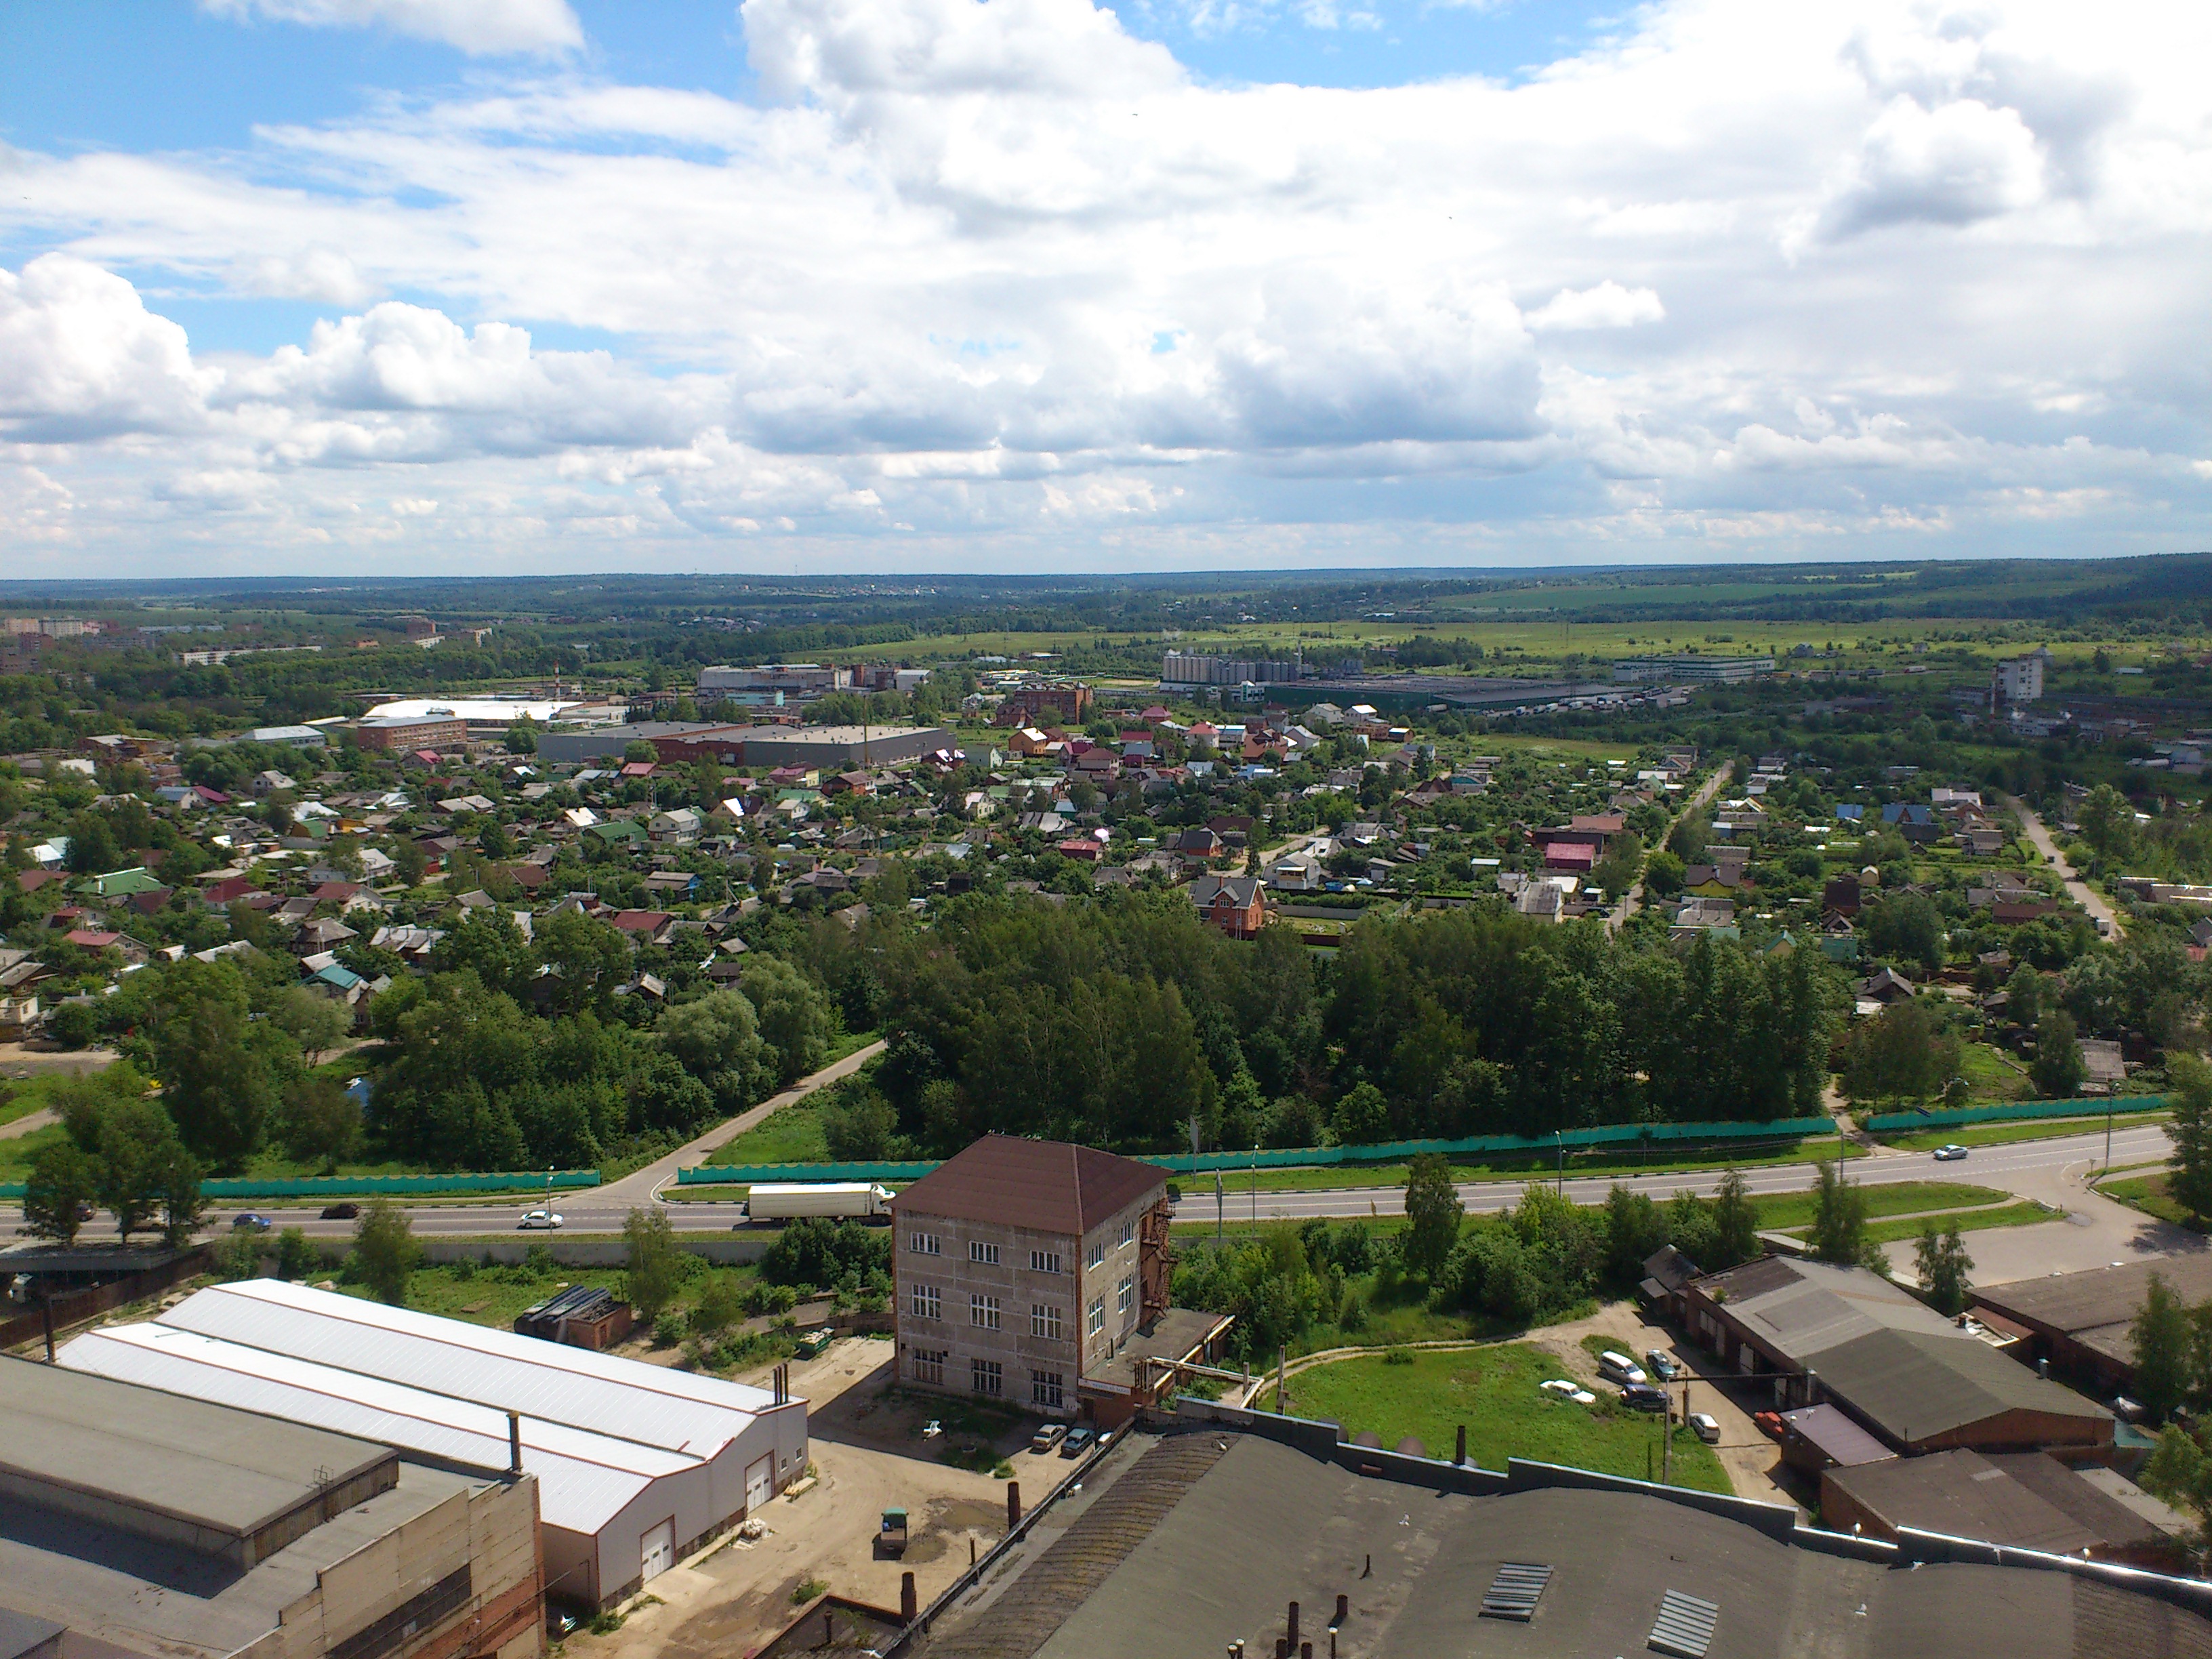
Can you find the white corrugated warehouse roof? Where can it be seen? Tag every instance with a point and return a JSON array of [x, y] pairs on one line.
[[698, 1415], [485, 711], [583, 1479]]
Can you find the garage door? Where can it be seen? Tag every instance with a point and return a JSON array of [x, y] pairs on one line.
[[760, 1483], [658, 1549]]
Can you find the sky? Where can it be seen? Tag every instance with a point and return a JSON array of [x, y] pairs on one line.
[[501, 286]]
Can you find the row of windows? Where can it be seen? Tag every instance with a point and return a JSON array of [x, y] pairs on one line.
[[988, 1377], [927, 1302], [1041, 1262]]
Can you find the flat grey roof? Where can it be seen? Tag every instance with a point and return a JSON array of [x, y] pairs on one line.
[[156, 1598], [2099, 1297], [1913, 1386], [1963, 1494], [1264, 1525], [1806, 1307], [226, 1470]]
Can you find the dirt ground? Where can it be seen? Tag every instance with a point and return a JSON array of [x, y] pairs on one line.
[[867, 1455], [1752, 1461]]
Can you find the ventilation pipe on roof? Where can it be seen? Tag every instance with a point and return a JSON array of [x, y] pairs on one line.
[[514, 1443]]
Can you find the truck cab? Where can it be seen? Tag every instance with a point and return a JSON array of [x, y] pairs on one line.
[[891, 1537]]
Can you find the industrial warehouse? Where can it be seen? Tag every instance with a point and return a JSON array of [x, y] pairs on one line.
[[1248, 1534], [136, 1522], [637, 1464]]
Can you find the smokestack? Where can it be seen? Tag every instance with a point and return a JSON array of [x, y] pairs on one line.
[[1294, 1624], [1013, 1505], [1459, 1455], [514, 1443], [46, 1317], [1305, 1650], [2042, 1366], [909, 1603], [1343, 1610]]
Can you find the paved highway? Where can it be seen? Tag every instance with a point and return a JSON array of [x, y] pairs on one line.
[[2034, 1168]]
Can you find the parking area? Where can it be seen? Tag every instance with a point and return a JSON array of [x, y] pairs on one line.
[[868, 1454], [1754, 1462]]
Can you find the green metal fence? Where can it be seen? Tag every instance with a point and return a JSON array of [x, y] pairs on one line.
[[1950, 1117], [1391, 1151], [378, 1185]]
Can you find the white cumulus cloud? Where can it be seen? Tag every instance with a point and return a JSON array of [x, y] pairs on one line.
[[1606, 305], [82, 357]]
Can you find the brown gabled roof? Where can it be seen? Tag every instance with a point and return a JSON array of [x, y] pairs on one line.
[[1046, 1186]]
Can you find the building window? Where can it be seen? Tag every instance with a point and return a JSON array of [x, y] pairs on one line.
[[1044, 1261], [929, 1302], [1045, 1388], [979, 1251], [983, 1310], [923, 1244], [1044, 1321], [1125, 1295], [987, 1377], [1128, 1231], [1097, 1254], [1096, 1319], [929, 1365]]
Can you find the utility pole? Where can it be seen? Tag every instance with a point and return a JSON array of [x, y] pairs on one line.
[[1561, 1136], [1256, 1183], [1219, 1242], [2108, 1136]]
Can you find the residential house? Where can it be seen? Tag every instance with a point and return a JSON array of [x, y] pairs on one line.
[[645, 926], [1237, 905]]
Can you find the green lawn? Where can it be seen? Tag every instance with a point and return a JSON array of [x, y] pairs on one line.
[[494, 1296], [792, 1135], [1787, 1210], [1493, 1391], [1990, 1075], [2147, 1193], [2026, 1213], [1609, 1161], [2003, 1135]]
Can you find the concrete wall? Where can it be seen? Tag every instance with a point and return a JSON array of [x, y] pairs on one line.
[[1018, 1288], [733, 1250]]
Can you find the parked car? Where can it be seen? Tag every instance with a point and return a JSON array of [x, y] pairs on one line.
[[1770, 1424], [247, 1222], [1950, 1154], [1566, 1390], [1643, 1397], [540, 1218], [1708, 1427], [1664, 1366], [341, 1212], [1078, 1442], [1048, 1437], [1619, 1368]]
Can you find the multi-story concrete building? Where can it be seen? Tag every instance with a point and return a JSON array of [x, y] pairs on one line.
[[2017, 679], [1036, 1273]]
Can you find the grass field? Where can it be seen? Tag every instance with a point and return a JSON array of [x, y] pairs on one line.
[[2147, 1193], [1493, 1391], [792, 1135], [2004, 1134], [1785, 1211], [2026, 1213]]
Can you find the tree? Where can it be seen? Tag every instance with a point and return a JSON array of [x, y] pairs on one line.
[[1904, 927], [2189, 1180], [408, 862], [62, 1182], [1735, 1223], [1663, 874], [2024, 995], [2180, 1472], [2056, 1069], [319, 1122], [1617, 871], [384, 1250], [317, 1023], [181, 1201], [2162, 1337], [1687, 840], [131, 1143], [522, 738], [73, 1025], [1840, 1219], [1900, 1053], [716, 1038], [719, 1305], [217, 1089], [1432, 1213], [794, 1016], [2107, 821], [656, 1265], [1943, 1265]]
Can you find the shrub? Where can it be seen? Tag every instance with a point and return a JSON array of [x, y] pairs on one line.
[[668, 1330]]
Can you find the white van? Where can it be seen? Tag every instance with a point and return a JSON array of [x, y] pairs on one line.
[[1619, 1368]]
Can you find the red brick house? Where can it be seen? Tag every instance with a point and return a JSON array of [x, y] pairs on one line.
[[1237, 905]]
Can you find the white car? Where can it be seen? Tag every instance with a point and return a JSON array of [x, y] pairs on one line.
[[1566, 1390], [546, 1219], [1950, 1154], [1708, 1427], [1619, 1368]]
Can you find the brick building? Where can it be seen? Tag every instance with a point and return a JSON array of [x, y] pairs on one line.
[[1036, 1272], [430, 732], [1026, 705], [1237, 905]]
